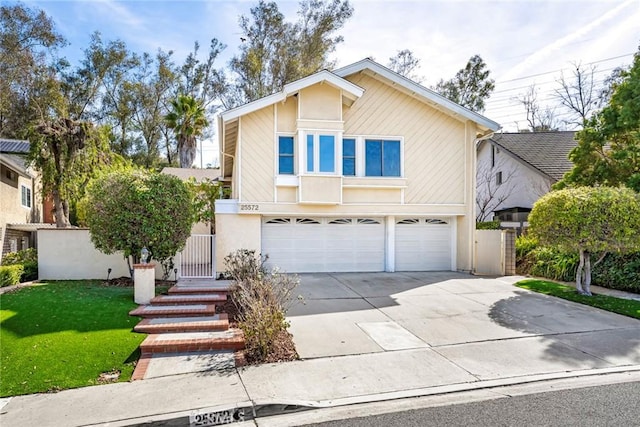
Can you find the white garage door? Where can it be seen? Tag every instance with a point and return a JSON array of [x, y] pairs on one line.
[[306, 245], [423, 244]]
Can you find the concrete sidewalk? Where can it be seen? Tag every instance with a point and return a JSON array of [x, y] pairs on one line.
[[374, 337]]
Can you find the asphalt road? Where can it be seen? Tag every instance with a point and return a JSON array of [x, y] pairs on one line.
[[607, 405]]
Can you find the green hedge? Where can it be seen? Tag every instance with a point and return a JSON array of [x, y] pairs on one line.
[[616, 271], [10, 274], [488, 225], [28, 259]]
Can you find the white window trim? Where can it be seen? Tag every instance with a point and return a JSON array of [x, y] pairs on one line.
[[277, 156], [360, 154], [22, 186], [337, 151]]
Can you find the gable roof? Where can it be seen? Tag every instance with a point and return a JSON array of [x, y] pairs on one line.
[[426, 95], [548, 152], [228, 120], [14, 146], [350, 91]]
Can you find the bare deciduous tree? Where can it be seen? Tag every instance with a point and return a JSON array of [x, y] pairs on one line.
[[577, 94], [490, 192], [539, 119]]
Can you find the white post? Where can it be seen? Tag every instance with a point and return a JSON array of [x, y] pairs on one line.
[[144, 283]]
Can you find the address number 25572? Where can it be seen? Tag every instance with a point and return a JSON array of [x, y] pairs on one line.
[[249, 207]]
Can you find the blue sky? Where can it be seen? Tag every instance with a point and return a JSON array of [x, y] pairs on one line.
[[523, 42]]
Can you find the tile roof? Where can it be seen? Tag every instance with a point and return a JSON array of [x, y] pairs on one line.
[[13, 146], [547, 152]]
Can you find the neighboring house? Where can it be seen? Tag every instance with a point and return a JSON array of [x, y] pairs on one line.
[[20, 204], [359, 169], [516, 169]]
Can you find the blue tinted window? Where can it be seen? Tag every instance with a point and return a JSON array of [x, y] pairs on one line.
[[373, 158], [382, 158], [391, 158], [349, 157], [327, 153], [309, 153], [285, 155]]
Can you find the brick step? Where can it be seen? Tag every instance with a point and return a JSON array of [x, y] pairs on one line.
[[177, 289], [161, 325], [153, 311], [189, 298], [232, 339]]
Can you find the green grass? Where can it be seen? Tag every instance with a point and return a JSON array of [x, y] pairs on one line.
[[62, 335], [626, 307]]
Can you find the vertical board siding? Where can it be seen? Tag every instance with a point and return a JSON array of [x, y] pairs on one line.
[[434, 143], [258, 156]]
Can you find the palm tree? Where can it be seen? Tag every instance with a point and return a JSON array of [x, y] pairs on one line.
[[188, 121]]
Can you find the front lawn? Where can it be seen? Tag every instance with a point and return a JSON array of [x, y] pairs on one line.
[[626, 307], [62, 335]]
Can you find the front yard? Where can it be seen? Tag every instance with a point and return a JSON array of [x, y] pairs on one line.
[[66, 334], [622, 306]]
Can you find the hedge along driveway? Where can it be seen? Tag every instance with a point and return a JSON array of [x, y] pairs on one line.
[[61, 335]]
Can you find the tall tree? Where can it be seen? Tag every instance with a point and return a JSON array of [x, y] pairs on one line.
[[471, 85], [275, 52], [187, 118], [405, 64], [156, 81], [578, 94], [28, 48], [66, 153], [608, 151]]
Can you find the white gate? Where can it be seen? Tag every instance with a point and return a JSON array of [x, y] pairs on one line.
[[196, 259]]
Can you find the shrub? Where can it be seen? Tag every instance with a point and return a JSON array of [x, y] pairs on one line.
[[488, 225], [525, 244], [244, 264], [552, 263], [129, 210], [262, 298], [20, 257], [28, 259], [10, 274], [617, 271]]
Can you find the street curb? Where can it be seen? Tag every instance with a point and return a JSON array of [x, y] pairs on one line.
[[261, 409]]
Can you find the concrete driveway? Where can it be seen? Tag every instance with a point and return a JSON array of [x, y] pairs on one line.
[[485, 324]]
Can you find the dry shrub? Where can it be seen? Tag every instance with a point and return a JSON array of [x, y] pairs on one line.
[[262, 298]]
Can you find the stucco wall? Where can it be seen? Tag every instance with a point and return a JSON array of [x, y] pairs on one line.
[[11, 209], [68, 254], [236, 232]]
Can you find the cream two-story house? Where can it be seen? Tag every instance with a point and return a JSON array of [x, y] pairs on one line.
[[359, 169]]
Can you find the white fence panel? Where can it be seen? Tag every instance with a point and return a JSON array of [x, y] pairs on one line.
[[196, 259]]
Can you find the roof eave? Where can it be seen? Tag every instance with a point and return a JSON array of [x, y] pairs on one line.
[[421, 91]]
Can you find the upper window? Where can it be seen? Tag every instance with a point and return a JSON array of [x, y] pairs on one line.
[[499, 178], [382, 158], [285, 155], [25, 196], [349, 157], [321, 153]]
